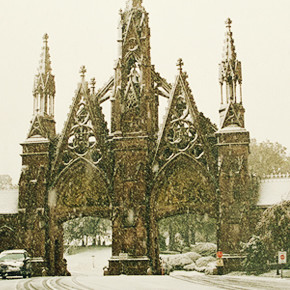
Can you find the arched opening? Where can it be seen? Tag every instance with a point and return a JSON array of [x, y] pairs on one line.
[[185, 206], [184, 185], [187, 242], [87, 243], [78, 201], [181, 233]]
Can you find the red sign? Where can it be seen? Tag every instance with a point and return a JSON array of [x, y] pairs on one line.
[[219, 254], [282, 257]]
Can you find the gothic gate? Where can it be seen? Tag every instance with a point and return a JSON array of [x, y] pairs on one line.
[[137, 173]]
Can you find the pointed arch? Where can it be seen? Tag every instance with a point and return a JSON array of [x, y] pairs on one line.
[[81, 189], [183, 185]]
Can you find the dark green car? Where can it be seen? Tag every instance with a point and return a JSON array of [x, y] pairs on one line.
[[15, 263]]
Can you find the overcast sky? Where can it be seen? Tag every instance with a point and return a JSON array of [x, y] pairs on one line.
[[84, 32]]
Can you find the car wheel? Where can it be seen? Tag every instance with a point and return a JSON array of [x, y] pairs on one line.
[[24, 275], [3, 276]]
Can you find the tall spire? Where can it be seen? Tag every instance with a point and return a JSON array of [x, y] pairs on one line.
[[132, 95], [44, 64], [44, 84], [230, 68]]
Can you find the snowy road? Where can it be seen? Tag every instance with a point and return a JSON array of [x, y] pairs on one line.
[[102, 283], [176, 281], [233, 282]]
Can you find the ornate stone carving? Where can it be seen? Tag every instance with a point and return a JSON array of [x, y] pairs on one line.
[[82, 136], [181, 134], [82, 139]]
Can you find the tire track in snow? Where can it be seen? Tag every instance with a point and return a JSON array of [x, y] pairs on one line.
[[84, 287]]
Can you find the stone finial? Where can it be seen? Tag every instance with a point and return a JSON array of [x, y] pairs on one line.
[[44, 64], [83, 71], [180, 64], [134, 4], [229, 46], [93, 83], [228, 23], [45, 38]]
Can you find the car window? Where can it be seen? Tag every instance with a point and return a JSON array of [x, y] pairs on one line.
[[11, 257]]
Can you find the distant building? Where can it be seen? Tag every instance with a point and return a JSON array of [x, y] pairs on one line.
[[274, 189], [8, 217]]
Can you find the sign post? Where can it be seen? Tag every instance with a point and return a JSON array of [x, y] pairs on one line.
[[220, 262], [282, 259]]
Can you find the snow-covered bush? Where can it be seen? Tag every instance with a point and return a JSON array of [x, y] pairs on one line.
[[211, 268], [190, 261], [204, 261], [205, 249], [193, 256], [177, 262], [204, 264], [256, 256], [190, 267]]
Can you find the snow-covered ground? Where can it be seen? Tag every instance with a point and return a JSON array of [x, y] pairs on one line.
[[90, 261], [87, 273]]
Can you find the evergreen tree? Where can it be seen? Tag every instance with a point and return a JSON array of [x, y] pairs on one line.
[[274, 229]]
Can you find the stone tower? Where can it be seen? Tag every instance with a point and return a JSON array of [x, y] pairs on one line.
[[233, 151], [134, 129], [36, 158]]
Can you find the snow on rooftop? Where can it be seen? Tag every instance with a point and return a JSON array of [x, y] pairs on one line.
[[9, 201], [274, 190]]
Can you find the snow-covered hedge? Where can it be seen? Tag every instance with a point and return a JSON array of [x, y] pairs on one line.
[[190, 267], [190, 261], [176, 262], [193, 256], [203, 263], [205, 249]]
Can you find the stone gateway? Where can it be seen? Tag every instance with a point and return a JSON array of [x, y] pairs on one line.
[[137, 173]]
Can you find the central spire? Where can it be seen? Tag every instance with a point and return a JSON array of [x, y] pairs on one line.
[[133, 87]]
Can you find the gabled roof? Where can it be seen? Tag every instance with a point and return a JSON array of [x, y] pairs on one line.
[[86, 115], [274, 189], [9, 201]]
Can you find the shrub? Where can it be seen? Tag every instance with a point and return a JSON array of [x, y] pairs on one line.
[[193, 256], [205, 249], [274, 229]]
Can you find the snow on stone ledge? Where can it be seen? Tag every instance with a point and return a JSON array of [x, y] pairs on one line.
[[9, 201]]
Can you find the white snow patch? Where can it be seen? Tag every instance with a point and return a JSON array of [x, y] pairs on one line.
[[89, 262]]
